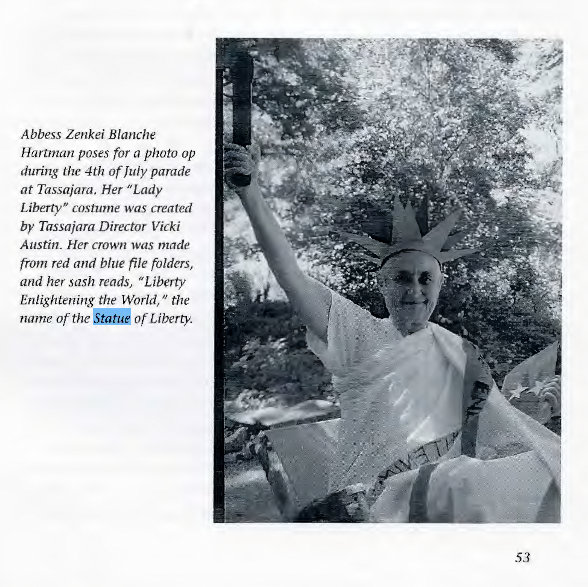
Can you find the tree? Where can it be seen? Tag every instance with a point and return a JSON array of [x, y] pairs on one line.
[[346, 125]]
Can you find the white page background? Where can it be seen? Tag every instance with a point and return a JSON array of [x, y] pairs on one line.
[[106, 434]]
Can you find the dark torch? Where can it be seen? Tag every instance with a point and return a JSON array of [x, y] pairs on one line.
[[241, 75]]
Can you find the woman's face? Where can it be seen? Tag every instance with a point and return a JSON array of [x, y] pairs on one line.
[[410, 283]]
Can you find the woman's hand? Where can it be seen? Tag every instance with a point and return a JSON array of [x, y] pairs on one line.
[[240, 160], [551, 394], [542, 402]]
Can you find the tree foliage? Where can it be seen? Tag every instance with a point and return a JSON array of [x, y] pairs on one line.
[[346, 125]]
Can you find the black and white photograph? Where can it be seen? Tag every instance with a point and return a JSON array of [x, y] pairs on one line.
[[388, 280]]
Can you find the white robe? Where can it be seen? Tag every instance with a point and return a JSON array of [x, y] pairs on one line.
[[402, 407]]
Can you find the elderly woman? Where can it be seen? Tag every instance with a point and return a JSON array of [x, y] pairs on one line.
[[424, 433]]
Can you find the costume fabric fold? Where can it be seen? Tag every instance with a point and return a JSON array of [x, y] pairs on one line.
[[409, 402]]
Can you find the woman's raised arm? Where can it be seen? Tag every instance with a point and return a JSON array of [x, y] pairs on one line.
[[310, 299]]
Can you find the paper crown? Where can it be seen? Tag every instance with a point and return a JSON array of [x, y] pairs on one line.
[[406, 236]]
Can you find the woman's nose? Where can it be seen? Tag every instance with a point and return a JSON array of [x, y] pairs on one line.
[[414, 290], [414, 286]]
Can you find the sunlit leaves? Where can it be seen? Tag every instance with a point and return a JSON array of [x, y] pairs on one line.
[[345, 125]]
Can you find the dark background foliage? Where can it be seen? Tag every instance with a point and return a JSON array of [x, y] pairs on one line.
[[344, 127]]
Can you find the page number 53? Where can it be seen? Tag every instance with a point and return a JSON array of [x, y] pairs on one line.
[[523, 557]]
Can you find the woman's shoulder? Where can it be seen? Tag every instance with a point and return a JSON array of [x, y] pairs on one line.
[[446, 335], [352, 313], [457, 349]]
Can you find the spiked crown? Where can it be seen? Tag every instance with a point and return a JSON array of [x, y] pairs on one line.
[[406, 236]]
